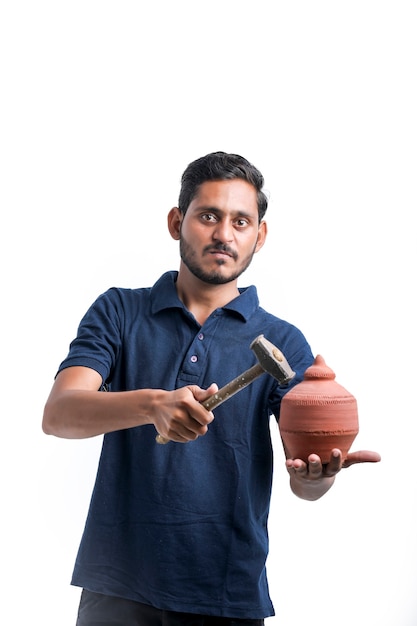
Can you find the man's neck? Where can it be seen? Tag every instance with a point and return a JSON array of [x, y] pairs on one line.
[[201, 298]]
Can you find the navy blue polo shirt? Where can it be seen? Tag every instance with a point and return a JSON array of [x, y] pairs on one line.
[[183, 527]]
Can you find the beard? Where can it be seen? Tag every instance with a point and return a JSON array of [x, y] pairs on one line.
[[212, 277]]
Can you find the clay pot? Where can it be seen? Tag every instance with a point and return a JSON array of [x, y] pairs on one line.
[[318, 415]]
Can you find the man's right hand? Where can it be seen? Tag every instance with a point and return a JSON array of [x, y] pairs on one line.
[[179, 415]]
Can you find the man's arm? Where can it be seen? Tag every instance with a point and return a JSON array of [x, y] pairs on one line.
[[76, 408], [310, 481]]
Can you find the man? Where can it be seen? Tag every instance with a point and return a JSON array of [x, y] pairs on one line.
[[177, 534]]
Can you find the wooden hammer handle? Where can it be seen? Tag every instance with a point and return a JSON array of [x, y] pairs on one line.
[[226, 392]]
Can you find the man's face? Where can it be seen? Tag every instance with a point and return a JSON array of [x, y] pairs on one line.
[[220, 231]]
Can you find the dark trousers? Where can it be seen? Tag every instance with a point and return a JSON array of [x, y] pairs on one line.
[[99, 610]]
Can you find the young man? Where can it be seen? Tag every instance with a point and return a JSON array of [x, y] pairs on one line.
[[177, 534]]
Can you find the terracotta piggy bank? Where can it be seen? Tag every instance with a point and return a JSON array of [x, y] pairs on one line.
[[318, 415]]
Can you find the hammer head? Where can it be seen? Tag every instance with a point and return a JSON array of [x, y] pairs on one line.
[[272, 360]]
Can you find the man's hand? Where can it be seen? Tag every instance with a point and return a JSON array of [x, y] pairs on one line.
[[313, 479], [179, 415]]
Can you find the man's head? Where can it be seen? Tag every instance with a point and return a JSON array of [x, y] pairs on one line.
[[218, 166], [219, 221]]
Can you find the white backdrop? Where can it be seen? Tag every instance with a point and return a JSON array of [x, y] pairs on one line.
[[103, 105]]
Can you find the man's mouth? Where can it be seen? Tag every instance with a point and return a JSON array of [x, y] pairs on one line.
[[220, 251]]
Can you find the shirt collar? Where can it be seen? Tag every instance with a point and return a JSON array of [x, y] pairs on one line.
[[164, 296]]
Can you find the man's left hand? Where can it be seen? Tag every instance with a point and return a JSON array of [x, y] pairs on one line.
[[312, 479]]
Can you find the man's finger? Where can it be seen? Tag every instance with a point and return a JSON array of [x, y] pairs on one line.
[[361, 456]]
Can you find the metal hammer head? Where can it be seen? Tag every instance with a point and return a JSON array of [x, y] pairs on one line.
[[272, 360]]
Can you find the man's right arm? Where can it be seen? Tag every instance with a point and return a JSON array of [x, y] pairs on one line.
[[76, 409]]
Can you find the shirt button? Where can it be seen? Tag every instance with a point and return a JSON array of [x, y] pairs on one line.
[[194, 359], [200, 336]]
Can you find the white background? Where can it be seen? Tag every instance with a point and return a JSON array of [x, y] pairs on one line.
[[103, 104]]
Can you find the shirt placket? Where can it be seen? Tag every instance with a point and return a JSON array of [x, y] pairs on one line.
[[196, 361]]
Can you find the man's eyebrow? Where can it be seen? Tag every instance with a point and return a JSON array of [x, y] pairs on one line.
[[206, 207]]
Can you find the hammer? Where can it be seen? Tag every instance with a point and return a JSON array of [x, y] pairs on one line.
[[270, 361]]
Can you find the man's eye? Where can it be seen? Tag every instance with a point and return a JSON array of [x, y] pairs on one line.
[[241, 222], [208, 217]]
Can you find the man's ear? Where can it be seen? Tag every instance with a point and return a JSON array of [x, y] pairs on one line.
[[262, 233], [175, 218]]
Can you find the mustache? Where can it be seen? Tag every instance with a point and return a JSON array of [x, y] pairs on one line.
[[220, 247]]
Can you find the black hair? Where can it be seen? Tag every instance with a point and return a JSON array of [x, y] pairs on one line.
[[220, 166]]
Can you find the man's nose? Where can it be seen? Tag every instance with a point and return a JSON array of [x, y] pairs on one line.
[[223, 231]]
